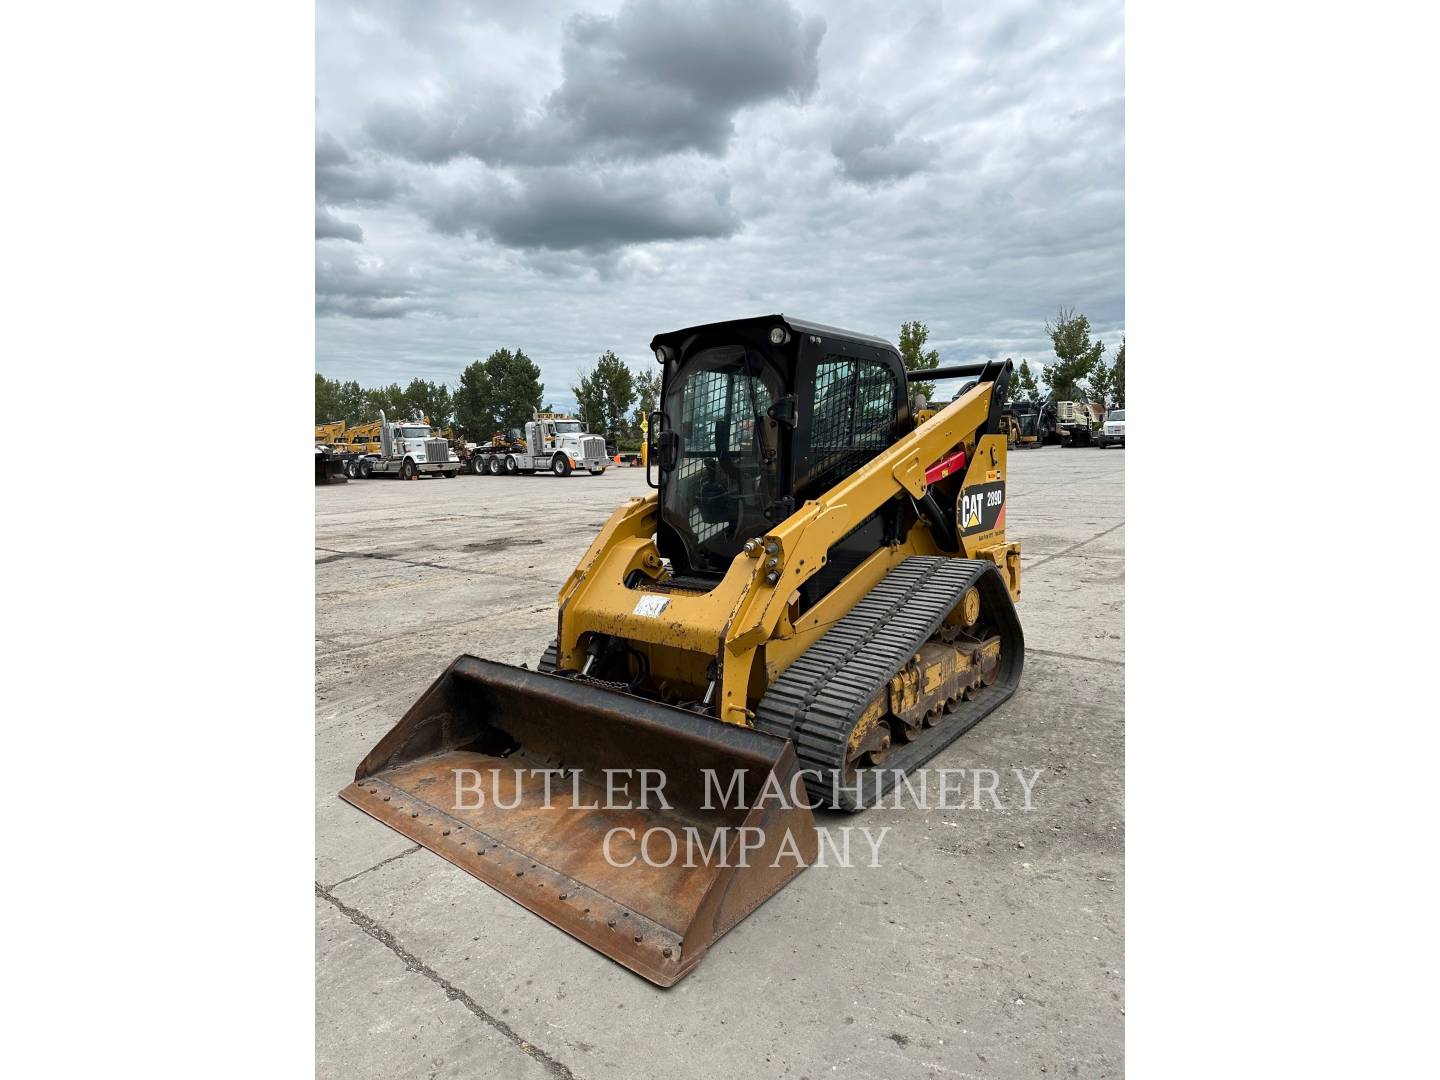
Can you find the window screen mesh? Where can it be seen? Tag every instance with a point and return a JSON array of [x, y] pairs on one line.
[[854, 417], [711, 396]]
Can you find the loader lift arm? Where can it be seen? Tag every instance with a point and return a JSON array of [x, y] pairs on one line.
[[802, 540], [751, 606]]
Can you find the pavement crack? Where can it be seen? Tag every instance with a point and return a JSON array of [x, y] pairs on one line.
[[335, 555], [1075, 656], [1072, 547], [408, 851], [454, 993]]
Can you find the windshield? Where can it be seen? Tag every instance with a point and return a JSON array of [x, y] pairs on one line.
[[414, 433], [726, 471], [1116, 414], [569, 427]]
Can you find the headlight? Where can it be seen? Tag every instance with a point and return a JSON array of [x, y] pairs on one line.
[[660, 354], [779, 336]]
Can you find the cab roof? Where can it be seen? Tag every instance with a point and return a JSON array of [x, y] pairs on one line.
[[760, 325]]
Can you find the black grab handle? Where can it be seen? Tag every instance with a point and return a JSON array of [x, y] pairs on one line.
[[958, 371]]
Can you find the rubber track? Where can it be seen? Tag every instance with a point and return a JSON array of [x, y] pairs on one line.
[[818, 699]]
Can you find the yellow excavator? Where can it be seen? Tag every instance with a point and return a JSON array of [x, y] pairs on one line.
[[816, 599], [329, 434], [364, 438]]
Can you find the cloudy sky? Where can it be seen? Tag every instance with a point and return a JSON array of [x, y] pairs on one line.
[[569, 177]]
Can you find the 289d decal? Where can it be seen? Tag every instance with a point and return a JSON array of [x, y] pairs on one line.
[[981, 507]]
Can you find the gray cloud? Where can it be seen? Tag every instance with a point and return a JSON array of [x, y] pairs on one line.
[[575, 175], [329, 227], [559, 209], [363, 289], [342, 177], [659, 77], [870, 153], [665, 75], [328, 151]]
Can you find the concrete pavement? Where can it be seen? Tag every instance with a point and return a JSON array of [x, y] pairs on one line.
[[988, 943]]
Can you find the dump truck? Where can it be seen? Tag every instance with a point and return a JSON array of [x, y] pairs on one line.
[[409, 451], [815, 599]]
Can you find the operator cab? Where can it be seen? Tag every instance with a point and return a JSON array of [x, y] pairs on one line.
[[756, 416]]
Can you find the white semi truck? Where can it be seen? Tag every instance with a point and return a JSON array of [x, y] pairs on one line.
[[549, 443], [409, 450]]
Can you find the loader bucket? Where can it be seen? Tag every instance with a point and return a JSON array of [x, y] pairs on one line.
[[503, 771]]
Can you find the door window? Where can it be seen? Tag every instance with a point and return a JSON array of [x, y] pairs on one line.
[[727, 472]]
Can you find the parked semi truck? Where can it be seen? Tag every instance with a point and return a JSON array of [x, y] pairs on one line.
[[409, 450], [552, 442]]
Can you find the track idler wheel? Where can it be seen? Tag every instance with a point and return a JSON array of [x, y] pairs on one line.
[[869, 750]]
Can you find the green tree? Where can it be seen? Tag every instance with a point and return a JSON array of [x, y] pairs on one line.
[[1022, 382], [913, 336], [589, 402], [619, 384], [513, 382], [1117, 377], [605, 394], [647, 393], [354, 403], [1102, 380], [327, 399], [389, 399], [473, 409], [432, 400], [1075, 354]]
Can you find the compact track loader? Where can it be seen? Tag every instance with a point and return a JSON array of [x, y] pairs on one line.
[[816, 600]]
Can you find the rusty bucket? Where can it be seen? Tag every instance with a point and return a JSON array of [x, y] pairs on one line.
[[644, 830]]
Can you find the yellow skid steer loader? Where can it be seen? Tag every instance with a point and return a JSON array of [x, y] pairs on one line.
[[816, 600]]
